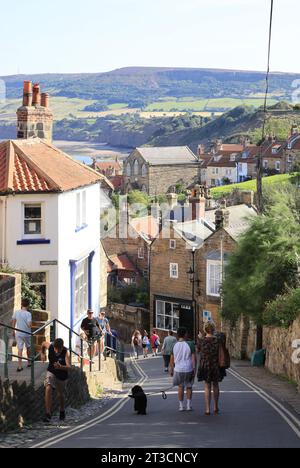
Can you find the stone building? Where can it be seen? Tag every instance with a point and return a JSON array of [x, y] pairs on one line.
[[187, 265], [35, 119], [158, 170]]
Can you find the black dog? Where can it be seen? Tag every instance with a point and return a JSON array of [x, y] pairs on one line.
[[140, 400]]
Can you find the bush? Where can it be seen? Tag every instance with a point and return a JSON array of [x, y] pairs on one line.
[[284, 310]]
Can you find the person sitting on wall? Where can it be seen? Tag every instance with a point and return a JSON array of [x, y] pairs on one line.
[[57, 375]]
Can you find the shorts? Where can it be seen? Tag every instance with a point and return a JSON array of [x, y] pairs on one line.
[[23, 340], [184, 379], [55, 383]]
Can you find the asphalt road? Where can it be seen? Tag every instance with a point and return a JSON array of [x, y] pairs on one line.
[[249, 419]]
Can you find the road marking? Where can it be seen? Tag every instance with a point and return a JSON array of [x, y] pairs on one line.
[[93, 422], [288, 417]]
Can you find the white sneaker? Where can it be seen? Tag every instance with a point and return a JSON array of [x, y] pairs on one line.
[[181, 408], [189, 408]]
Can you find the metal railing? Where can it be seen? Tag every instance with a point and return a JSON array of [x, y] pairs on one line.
[[110, 346]]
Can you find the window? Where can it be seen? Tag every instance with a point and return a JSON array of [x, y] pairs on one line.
[[277, 165], [80, 209], [144, 170], [214, 278], [128, 170], [266, 164], [167, 315], [33, 219], [215, 170], [174, 270], [81, 288], [228, 172], [136, 167], [172, 244], [141, 253], [38, 282]]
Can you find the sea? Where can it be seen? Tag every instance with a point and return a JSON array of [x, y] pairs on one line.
[[86, 152]]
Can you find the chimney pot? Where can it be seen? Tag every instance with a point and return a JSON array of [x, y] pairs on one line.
[[27, 94], [198, 202], [45, 100], [36, 100]]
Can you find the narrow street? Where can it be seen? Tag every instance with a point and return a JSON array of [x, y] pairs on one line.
[[249, 419]]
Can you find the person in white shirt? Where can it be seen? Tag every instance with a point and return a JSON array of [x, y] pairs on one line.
[[145, 344], [22, 320], [183, 368]]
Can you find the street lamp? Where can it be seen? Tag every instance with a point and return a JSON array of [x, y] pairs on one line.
[[192, 277]]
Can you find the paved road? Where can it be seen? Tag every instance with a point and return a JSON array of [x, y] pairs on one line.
[[249, 418]]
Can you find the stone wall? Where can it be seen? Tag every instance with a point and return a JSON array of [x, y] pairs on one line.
[[10, 296], [126, 320], [277, 342], [21, 405]]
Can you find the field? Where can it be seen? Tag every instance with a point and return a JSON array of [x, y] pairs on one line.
[[219, 192], [206, 105]]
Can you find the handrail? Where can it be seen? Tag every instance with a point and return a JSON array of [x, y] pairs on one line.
[[117, 351], [14, 329]]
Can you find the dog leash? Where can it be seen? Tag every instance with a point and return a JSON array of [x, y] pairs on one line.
[[163, 393]]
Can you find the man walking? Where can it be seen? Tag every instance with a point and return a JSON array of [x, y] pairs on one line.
[[91, 329], [167, 349], [183, 368], [57, 375], [22, 320]]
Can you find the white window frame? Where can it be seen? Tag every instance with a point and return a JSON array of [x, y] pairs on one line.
[[209, 289], [174, 272], [278, 165], [141, 253], [81, 288], [33, 204], [81, 209], [164, 315], [172, 244]]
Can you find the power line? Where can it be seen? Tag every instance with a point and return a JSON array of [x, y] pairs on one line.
[[260, 158]]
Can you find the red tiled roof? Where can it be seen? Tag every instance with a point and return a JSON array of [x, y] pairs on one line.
[[230, 148], [34, 165], [104, 165], [121, 262], [117, 181]]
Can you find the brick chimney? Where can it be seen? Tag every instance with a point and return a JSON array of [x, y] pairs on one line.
[[36, 99], [222, 216], [197, 202], [35, 119], [27, 94]]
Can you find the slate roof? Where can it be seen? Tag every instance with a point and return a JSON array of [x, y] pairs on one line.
[[239, 218], [169, 155]]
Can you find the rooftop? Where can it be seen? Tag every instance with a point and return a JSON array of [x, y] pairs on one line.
[[167, 155], [34, 165]]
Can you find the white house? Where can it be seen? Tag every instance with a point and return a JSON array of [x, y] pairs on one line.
[[50, 225]]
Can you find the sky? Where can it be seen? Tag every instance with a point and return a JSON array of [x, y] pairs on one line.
[[87, 36]]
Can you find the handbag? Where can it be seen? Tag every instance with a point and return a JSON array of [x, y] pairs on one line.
[[224, 357]]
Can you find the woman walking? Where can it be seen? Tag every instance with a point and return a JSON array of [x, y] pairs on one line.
[[145, 344], [209, 369], [136, 342], [155, 343]]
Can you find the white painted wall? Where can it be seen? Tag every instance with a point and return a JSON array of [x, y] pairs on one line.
[[59, 226]]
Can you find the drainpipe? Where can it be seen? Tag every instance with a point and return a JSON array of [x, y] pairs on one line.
[[3, 221]]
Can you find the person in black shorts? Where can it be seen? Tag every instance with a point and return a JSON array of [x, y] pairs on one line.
[[92, 331], [57, 375]]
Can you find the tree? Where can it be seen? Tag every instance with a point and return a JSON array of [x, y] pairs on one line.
[[264, 264]]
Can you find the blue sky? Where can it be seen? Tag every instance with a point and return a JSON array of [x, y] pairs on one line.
[[65, 36]]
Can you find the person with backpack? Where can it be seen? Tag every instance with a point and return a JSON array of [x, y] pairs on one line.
[[183, 367], [214, 360], [136, 343], [155, 343]]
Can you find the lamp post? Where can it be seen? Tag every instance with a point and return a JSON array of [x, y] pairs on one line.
[[192, 277]]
